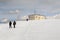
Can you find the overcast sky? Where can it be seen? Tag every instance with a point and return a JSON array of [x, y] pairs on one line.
[[24, 7]]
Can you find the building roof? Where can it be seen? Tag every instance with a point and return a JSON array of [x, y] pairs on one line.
[[36, 14]]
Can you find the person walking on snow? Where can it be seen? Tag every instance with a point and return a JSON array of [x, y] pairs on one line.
[[10, 23], [14, 23]]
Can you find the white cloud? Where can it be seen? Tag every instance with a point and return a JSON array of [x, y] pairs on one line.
[[15, 12]]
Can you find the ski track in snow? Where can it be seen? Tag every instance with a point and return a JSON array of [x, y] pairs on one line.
[[31, 30]]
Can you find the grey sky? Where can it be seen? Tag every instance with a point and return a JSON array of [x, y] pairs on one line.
[[42, 6]]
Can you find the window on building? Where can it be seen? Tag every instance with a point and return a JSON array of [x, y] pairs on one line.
[[39, 17]]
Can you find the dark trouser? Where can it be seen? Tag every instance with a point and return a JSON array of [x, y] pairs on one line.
[[14, 26], [10, 26]]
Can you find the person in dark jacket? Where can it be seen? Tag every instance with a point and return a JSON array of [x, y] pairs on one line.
[[10, 23], [14, 23], [26, 19]]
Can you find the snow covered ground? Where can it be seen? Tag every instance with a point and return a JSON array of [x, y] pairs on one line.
[[31, 30]]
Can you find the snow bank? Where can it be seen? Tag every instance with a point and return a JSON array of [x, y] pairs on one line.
[[54, 17], [32, 30], [4, 20]]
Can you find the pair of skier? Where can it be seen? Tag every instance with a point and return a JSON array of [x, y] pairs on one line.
[[10, 24]]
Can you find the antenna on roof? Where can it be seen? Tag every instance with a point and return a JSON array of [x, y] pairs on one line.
[[34, 11]]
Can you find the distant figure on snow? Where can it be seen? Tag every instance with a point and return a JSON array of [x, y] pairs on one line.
[[14, 23], [26, 19], [10, 23]]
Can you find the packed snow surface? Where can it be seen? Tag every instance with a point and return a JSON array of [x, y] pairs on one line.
[[31, 30]]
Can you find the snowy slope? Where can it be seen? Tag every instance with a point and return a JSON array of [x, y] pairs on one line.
[[32, 30]]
